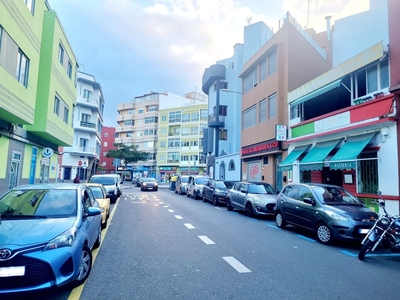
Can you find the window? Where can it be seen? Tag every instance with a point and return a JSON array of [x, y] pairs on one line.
[[105, 144], [174, 143], [296, 111], [223, 110], [204, 114], [22, 69], [61, 53], [173, 156], [184, 157], [194, 143], [371, 79], [272, 106], [140, 122], [129, 122], [31, 5], [87, 94], [164, 118], [140, 110], [131, 111], [250, 81], [383, 74], [162, 144], [66, 112], [195, 116], [265, 160], [69, 69], [105, 134], [231, 65], [56, 109], [272, 63], [139, 133], [130, 134], [175, 117], [163, 130], [263, 110], [185, 144], [185, 131], [249, 117], [231, 166], [194, 130], [368, 173], [151, 120], [152, 108], [186, 118], [263, 70], [223, 134]]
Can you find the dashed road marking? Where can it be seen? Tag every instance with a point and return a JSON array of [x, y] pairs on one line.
[[189, 226], [236, 264], [171, 210], [178, 217], [206, 240]]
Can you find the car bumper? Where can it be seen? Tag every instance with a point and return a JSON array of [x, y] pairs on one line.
[[266, 209], [349, 230], [43, 269]]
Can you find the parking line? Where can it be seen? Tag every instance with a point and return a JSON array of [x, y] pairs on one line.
[[236, 264], [306, 238], [273, 226], [189, 226], [206, 240], [178, 217], [369, 254]]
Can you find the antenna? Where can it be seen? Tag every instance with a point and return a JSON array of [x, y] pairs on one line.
[[248, 20], [308, 12]]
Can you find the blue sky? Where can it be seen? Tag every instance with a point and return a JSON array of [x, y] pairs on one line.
[[133, 47]]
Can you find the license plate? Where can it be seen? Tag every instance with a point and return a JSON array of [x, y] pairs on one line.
[[12, 271], [150, 188], [363, 231]]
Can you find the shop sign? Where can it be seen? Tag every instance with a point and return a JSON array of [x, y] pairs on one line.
[[268, 146], [167, 168], [343, 165], [189, 168]]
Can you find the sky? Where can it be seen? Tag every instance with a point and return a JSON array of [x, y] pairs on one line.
[[134, 47]]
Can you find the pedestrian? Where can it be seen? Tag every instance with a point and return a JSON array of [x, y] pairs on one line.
[[76, 179]]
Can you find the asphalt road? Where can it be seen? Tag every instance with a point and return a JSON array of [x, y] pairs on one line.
[[160, 245]]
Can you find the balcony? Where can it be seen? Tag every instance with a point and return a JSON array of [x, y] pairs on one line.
[[216, 121]]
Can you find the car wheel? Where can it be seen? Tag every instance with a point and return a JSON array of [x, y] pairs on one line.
[[229, 205], [215, 201], [98, 240], [249, 210], [365, 248], [280, 220], [156, 189], [85, 266], [104, 225], [324, 234]]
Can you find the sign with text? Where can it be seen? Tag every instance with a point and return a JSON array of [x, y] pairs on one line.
[[281, 132]]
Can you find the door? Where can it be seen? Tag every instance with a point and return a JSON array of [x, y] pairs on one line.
[[14, 170], [306, 216]]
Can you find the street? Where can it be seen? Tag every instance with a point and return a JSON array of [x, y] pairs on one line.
[[160, 245]]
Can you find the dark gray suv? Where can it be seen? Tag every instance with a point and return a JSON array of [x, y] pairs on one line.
[[328, 210]]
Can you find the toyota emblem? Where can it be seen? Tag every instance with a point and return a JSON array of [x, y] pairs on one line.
[[5, 253]]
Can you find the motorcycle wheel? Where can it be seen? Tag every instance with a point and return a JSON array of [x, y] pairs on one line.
[[365, 248]]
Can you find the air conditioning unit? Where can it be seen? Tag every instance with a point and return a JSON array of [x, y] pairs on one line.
[[12, 127]]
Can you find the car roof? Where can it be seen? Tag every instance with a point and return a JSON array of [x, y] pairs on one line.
[[51, 186], [315, 184], [105, 175]]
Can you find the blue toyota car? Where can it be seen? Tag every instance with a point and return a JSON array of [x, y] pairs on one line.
[[47, 232]]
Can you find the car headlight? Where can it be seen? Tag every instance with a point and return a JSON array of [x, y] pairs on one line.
[[66, 239], [336, 216]]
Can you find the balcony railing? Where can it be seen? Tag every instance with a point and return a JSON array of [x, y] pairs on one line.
[[88, 125], [216, 121]]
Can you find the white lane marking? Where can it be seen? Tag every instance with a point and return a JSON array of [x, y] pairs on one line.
[[206, 240], [236, 264], [178, 217], [189, 226], [161, 202], [166, 205], [171, 210]]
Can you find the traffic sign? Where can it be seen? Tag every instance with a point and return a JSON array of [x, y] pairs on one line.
[[80, 163]]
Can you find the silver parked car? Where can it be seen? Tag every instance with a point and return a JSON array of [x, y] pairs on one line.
[[181, 185], [253, 198], [195, 185]]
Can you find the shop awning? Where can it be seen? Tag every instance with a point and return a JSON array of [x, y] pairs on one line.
[[314, 160], [287, 163], [346, 157], [318, 92]]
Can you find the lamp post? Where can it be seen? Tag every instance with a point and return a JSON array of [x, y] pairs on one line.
[[218, 86]]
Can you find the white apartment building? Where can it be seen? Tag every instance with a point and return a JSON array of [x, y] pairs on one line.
[[83, 156]]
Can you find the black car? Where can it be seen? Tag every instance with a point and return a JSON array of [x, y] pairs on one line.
[[328, 210], [139, 181], [215, 191], [149, 184]]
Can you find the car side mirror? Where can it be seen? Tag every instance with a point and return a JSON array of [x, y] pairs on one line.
[[242, 190], [309, 201]]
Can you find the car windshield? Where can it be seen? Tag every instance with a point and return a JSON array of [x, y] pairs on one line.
[[148, 180], [229, 184], [97, 192], [257, 189], [184, 179], [220, 185], [335, 196], [268, 188], [47, 203], [103, 180], [202, 180]]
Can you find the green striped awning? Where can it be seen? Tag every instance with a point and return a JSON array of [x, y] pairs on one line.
[[314, 160], [287, 163]]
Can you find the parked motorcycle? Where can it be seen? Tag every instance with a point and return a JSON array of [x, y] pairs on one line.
[[385, 231]]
